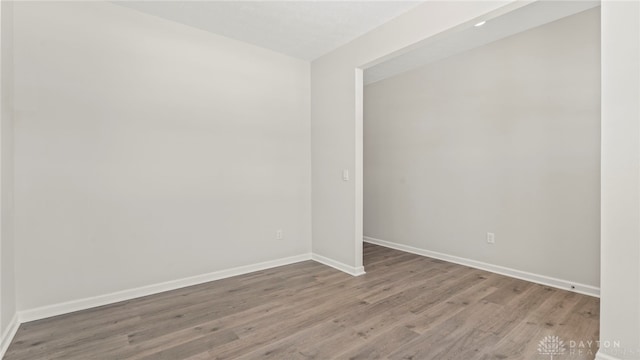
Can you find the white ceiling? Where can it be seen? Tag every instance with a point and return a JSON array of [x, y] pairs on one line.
[[302, 29], [527, 17]]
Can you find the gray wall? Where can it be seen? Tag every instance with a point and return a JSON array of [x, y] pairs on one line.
[[7, 268], [505, 139], [148, 151]]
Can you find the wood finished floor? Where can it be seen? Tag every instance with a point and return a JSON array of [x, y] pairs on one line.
[[405, 307]]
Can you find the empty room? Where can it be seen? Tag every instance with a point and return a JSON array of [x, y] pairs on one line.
[[320, 180]]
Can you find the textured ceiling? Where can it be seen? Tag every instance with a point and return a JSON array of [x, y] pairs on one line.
[[302, 29]]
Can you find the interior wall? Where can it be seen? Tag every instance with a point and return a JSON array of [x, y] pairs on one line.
[[620, 293], [504, 138], [7, 264], [148, 151], [334, 131]]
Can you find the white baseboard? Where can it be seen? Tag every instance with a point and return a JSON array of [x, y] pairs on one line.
[[518, 274], [351, 270], [8, 335], [87, 303], [91, 302]]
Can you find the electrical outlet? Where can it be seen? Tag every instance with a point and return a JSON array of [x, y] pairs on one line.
[[491, 238], [345, 175], [279, 235]]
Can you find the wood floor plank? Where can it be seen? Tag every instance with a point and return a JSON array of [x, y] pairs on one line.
[[451, 335], [193, 347], [382, 345], [405, 307], [289, 347]]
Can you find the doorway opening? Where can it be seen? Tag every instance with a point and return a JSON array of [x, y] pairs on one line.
[[481, 146]]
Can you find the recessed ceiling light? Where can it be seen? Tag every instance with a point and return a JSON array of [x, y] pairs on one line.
[[480, 23]]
